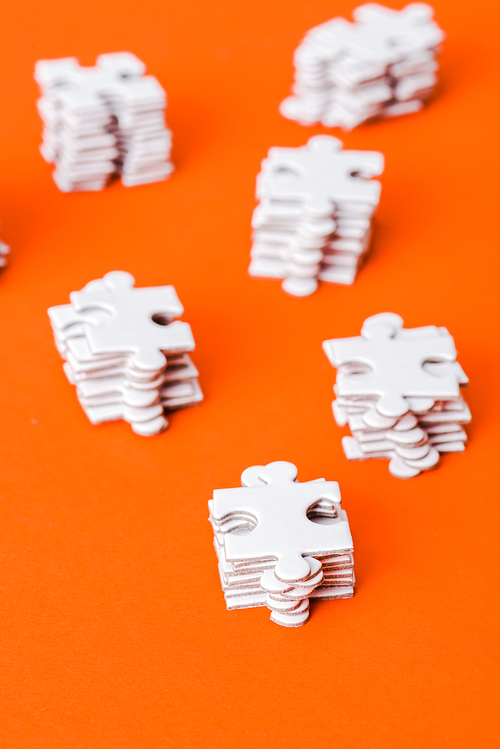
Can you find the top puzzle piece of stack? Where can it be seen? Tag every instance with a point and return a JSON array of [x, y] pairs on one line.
[[399, 392], [314, 219], [280, 542], [125, 353], [103, 121], [383, 65]]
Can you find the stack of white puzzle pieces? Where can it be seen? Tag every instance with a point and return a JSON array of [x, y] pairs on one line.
[[383, 65], [103, 121], [314, 219], [4, 254], [280, 543], [125, 352], [399, 391]]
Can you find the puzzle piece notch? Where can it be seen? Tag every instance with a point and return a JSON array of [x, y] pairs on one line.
[[321, 174], [279, 504], [278, 472]]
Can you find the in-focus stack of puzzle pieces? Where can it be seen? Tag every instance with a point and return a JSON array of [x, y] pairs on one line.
[[314, 219], [280, 543], [382, 65], [125, 353], [399, 391], [103, 121]]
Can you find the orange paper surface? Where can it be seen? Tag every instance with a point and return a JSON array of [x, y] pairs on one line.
[[114, 629]]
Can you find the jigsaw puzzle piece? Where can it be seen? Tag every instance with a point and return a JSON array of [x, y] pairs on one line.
[[279, 517], [139, 323]]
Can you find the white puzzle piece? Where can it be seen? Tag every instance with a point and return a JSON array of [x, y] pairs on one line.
[[125, 352], [394, 365], [320, 175], [273, 546], [399, 391], [313, 221], [131, 327]]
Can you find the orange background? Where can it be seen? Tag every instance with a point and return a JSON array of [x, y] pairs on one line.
[[114, 629]]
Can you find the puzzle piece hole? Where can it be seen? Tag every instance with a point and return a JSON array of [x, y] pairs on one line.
[[285, 171], [322, 515], [160, 318], [398, 41], [241, 531], [356, 368], [241, 524]]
